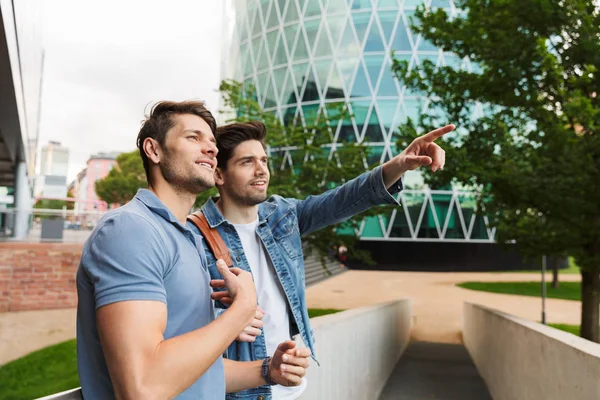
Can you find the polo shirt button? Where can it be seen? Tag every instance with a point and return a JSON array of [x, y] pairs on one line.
[[260, 398], [237, 258]]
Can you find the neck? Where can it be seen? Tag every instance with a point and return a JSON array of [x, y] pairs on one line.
[[237, 213], [179, 202]]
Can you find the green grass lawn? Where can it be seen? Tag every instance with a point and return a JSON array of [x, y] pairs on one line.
[[572, 269], [566, 291], [43, 372], [317, 312], [54, 369], [574, 329]]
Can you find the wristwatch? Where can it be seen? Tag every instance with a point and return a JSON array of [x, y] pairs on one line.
[[265, 372]]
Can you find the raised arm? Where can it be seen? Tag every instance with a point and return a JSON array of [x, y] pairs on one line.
[[371, 188]]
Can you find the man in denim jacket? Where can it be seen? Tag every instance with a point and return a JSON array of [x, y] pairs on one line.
[[264, 235]]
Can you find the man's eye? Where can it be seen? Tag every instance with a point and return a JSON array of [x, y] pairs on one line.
[[193, 137]]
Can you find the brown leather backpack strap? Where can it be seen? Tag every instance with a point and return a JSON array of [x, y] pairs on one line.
[[212, 237]]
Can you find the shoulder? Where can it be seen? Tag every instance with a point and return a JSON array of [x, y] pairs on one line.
[[127, 228], [280, 202]]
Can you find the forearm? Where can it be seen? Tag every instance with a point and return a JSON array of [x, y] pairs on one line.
[[243, 375], [343, 202], [392, 171], [175, 364]]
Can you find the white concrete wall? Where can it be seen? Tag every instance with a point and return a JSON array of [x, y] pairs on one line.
[[524, 360], [358, 350]]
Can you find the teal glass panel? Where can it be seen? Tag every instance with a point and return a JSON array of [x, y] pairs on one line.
[[312, 8], [271, 41], [335, 89], [372, 228], [310, 91], [289, 33], [280, 56], [348, 44], [361, 5], [387, 109], [388, 4], [336, 6], [323, 47], [272, 20], [360, 110], [373, 132], [299, 71], [374, 154], [312, 28], [336, 24], [322, 68], [347, 67], [387, 19], [291, 14], [271, 97], [387, 87], [374, 64], [279, 76], [301, 51], [361, 84], [400, 225], [361, 23], [401, 40], [374, 40], [288, 95]]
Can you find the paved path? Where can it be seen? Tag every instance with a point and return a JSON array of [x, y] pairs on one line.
[[437, 302], [435, 371], [437, 306]]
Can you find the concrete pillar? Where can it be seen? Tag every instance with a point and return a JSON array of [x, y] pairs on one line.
[[22, 202]]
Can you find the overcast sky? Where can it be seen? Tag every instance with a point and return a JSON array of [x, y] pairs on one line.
[[106, 61]]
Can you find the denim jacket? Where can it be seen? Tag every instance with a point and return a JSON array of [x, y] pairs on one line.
[[281, 223]]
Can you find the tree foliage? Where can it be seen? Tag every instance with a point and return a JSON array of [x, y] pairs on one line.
[[124, 180], [528, 114]]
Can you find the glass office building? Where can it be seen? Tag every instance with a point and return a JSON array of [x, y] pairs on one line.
[[302, 55]]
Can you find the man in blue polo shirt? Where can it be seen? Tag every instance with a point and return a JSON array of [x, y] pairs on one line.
[[145, 321]]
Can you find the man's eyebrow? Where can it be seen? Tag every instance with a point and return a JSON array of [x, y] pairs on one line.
[[200, 133], [244, 158]]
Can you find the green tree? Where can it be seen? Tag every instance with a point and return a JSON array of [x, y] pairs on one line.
[[534, 150], [303, 162], [124, 180]]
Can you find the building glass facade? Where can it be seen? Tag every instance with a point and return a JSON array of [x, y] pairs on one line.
[[302, 55]]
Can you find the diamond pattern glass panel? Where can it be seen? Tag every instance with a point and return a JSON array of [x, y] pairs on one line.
[[303, 55]]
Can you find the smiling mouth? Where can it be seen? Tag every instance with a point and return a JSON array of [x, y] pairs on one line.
[[259, 183], [205, 165]]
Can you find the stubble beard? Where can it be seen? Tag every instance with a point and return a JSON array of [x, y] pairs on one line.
[[185, 182]]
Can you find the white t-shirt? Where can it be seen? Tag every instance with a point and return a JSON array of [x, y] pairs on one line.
[[271, 298]]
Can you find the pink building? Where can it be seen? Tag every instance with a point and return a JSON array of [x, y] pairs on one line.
[[98, 166]]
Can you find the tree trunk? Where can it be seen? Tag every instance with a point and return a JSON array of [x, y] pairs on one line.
[[590, 302], [555, 283]]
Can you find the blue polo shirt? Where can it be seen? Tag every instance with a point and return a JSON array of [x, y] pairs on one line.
[[142, 252]]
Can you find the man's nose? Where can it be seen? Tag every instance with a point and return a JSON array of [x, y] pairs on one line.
[[210, 148]]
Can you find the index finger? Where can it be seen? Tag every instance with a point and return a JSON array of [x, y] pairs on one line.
[[438, 133], [217, 283]]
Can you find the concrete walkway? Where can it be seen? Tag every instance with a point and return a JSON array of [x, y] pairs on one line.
[[435, 371], [437, 301], [437, 306]]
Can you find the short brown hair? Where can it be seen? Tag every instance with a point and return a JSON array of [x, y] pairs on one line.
[[157, 124], [230, 136]]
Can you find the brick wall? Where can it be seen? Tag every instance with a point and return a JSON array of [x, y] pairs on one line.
[[38, 276]]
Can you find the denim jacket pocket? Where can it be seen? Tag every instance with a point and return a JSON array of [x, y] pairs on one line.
[[287, 236]]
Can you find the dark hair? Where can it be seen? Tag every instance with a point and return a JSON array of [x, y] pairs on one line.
[[157, 124], [230, 136]]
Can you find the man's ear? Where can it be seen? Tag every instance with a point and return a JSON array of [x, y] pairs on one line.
[[219, 178], [152, 150]]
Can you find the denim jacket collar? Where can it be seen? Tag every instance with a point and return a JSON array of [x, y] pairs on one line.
[[215, 217]]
